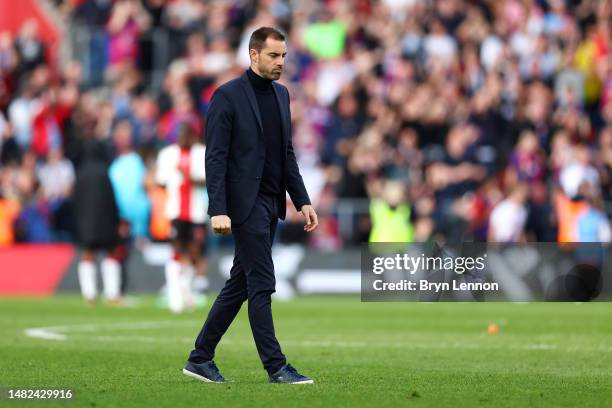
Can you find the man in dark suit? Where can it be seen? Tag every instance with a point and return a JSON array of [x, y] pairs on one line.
[[250, 163]]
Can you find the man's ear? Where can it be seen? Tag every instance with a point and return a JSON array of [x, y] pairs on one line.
[[253, 54]]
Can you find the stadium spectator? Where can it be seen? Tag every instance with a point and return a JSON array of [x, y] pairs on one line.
[[57, 178], [508, 218], [128, 20], [578, 171], [390, 215], [9, 209], [30, 48]]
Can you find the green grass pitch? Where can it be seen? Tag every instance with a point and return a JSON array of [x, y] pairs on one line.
[[360, 354]]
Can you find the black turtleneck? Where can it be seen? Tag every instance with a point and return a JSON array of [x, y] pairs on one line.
[[271, 178]]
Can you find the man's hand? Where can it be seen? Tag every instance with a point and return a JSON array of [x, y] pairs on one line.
[[221, 224], [312, 222]]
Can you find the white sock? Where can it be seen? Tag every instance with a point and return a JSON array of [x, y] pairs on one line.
[[173, 286], [111, 277], [187, 274], [200, 283], [87, 279]]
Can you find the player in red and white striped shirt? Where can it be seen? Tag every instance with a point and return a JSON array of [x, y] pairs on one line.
[[180, 169]]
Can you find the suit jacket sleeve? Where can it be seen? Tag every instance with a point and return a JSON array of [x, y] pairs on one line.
[[295, 183], [218, 137]]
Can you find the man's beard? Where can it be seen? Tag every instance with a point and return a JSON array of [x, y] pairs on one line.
[[272, 75]]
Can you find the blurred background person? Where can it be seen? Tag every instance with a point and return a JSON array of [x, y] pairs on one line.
[[127, 174], [97, 221], [508, 218], [57, 181], [390, 215], [180, 171]]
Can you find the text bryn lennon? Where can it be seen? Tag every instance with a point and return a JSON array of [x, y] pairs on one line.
[[424, 284]]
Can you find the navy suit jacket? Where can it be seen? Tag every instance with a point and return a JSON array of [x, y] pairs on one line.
[[235, 151]]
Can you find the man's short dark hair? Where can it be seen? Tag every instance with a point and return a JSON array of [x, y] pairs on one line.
[[259, 37]]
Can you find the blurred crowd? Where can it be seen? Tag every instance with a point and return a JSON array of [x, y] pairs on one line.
[[412, 119]]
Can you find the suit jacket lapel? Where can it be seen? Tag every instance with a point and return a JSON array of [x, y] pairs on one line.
[[283, 114], [250, 94]]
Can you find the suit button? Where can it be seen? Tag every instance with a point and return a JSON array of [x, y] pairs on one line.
[[257, 178]]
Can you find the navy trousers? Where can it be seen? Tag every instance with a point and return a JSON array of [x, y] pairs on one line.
[[252, 278]]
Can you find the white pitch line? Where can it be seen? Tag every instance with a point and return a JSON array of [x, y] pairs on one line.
[[58, 332], [61, 333], [43, 333]]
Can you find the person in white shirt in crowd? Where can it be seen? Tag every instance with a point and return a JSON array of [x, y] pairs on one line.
[[56, 175], [57, 179], [578, 171], [508, 218]]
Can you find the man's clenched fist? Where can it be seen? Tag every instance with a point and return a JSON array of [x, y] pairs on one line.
[[221, 224]]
